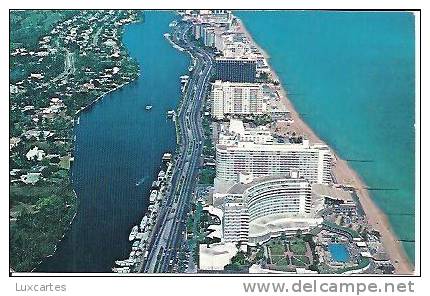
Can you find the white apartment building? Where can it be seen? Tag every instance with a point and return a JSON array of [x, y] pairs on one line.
[[236, 98]]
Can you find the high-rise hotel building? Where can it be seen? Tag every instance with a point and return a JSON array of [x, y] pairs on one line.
[[235, 69], [235, 222], [236, 98], [235, 157]]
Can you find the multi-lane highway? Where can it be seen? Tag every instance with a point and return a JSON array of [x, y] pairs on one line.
[[169, 230]]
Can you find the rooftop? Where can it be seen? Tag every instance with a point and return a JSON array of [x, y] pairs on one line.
[[239, 188], [332, 192], [276, 223], [216, 256]]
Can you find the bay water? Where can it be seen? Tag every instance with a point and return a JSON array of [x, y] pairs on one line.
[[119, 145]]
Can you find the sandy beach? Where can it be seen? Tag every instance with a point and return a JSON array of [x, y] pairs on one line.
[[344, 174]]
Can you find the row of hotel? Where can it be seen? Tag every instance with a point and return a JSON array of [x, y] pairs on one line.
[[272, 185], [263, 180], [271, 181]]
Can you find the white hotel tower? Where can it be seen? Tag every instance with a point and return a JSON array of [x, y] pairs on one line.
[[236, 98], [254, 152]]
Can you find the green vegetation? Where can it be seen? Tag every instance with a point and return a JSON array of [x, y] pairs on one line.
[[281, 261], [264, 77], [259, 255], [197, 229], [208, 146], [277, 254], [259, 119], [35, 233], [28, 26], [207, 176], [195, 236], [59, 65], [288, 253], [239, 263], [298, 246], [300, 261], [277, 249]]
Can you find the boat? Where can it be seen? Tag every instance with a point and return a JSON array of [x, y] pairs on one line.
[[143, 222], [153, 196], [133, 233], [161, 175], [167, 156], [134, 248], [184, 78], [192, 65], [140, 181], [121, 269], [170, 113], [148, 107], [174, 45], [126, 262]]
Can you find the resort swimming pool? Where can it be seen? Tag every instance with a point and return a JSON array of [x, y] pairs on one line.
[[339, 252]]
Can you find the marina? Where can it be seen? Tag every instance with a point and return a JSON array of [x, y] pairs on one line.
[[140, 234], [133, 233], [167, 36]]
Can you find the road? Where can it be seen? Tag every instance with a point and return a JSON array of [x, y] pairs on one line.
[[168, 234]]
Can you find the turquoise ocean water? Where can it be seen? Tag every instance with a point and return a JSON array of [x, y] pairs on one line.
[[351, 76]]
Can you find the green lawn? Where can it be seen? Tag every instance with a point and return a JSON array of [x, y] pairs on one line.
[[277, 250], [39, 226], [30, 194], [28, 26], [280, 260], [298, 247], [300, 261]]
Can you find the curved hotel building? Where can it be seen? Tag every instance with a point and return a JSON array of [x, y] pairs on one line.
[[264, 186], [266, 207]]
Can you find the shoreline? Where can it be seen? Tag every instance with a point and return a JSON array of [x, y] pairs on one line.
[[76, 119], [77, 113], [345, 175]]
